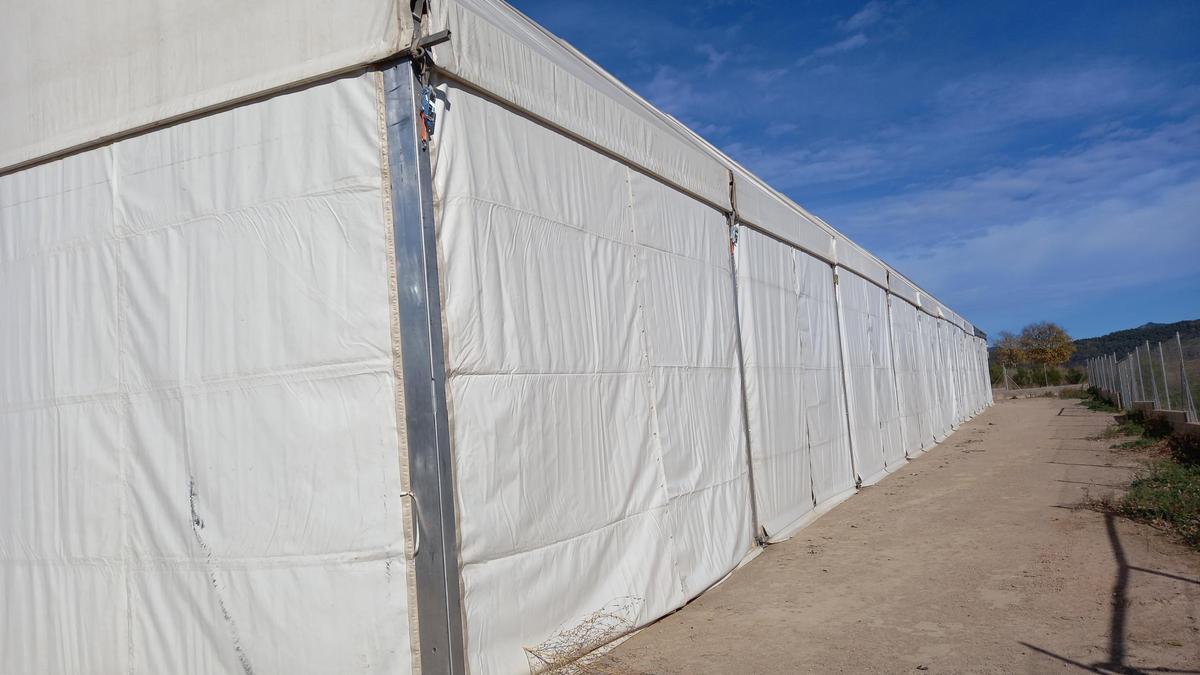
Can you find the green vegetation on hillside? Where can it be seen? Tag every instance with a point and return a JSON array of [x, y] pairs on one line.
[[1123, 341]]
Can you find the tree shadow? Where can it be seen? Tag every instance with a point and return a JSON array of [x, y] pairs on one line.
[[1118, 619]]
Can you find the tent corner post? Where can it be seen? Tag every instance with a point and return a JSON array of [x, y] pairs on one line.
[[423, 374]]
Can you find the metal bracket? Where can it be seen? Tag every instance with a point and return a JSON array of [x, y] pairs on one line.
[[417, 518]]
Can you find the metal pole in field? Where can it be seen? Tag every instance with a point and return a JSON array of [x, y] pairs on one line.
[[1142, 376], [1005, 369], [1137, 355], [1137, 376], [1119, 378], [1187, 389], [1140, 392], [1131, 381], [1135, 384], [1112, 375], [1153, 377], [1109, 377], [1117, 382], [1163, 364]]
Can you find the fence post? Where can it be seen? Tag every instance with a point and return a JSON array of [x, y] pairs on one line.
[[1153, 377], [1187, 388], [1141, 376], [1163, 364], [1113, 376]]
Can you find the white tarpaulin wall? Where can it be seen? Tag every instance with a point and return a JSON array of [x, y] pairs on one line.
[[197, 411], [797, 416], [877, 440], [203, 439], [593, 383], [931, 363], [912, 386]]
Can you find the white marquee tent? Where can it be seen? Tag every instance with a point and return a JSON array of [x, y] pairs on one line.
[[308, 366]]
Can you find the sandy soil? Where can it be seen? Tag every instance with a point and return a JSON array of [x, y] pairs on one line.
[[970, 559]]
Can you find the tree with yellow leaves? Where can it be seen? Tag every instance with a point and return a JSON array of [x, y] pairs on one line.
[[1046, 343], [1008, 350]]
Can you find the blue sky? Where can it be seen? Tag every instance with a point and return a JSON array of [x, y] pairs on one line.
[[1022, 161]]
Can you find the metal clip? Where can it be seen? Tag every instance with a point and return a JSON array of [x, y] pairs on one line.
[[417, 524], [428, 112]]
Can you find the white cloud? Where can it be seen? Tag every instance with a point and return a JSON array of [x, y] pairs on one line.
[[967, 122], [671, 91], [853, 42], [1119, 211], [870, 13], [844, 45]]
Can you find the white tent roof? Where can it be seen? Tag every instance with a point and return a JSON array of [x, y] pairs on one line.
[[77, 74]]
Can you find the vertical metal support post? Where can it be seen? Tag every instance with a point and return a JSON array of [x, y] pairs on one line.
[[1162, 362], [1134, 395], [896, 374], [1183, 378], [760, 536], [439, 611], [841, 327], [1141, 383], [1153, 377], [1123, 378], [1116, 380]]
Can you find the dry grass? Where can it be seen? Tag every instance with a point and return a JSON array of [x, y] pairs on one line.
[[577, 650]]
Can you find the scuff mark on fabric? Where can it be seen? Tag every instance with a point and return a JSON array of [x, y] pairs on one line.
[[211, 570]]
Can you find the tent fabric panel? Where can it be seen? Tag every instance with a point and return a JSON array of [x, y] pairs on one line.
[[202, 357], [912, 388], [824, 395], [512, 59], [798, 432], [872, 387], [851, 257], [765, 209], [903, 288], [685, 286], [592, 383], [76, 72]]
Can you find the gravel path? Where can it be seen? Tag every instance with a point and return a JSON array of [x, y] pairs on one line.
[[970, 559]]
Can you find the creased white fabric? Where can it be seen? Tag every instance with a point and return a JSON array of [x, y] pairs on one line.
[[73, 72], [593, 382], [797, 414], [874, 415], [197, 427]]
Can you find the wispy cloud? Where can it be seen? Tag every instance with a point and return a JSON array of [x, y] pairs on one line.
[[967, 121], [989, 169], [870, 14], [1115, 211], [844, 45], [853, 42]]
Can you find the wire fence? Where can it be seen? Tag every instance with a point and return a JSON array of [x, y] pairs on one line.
[[1151, 373]]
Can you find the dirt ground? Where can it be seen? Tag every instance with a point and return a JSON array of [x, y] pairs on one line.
[[971, 559]]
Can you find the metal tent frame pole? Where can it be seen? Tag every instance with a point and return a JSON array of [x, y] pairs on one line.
[[423, 376]]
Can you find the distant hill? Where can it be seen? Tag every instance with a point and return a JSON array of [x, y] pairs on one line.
[[1123, 341]]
